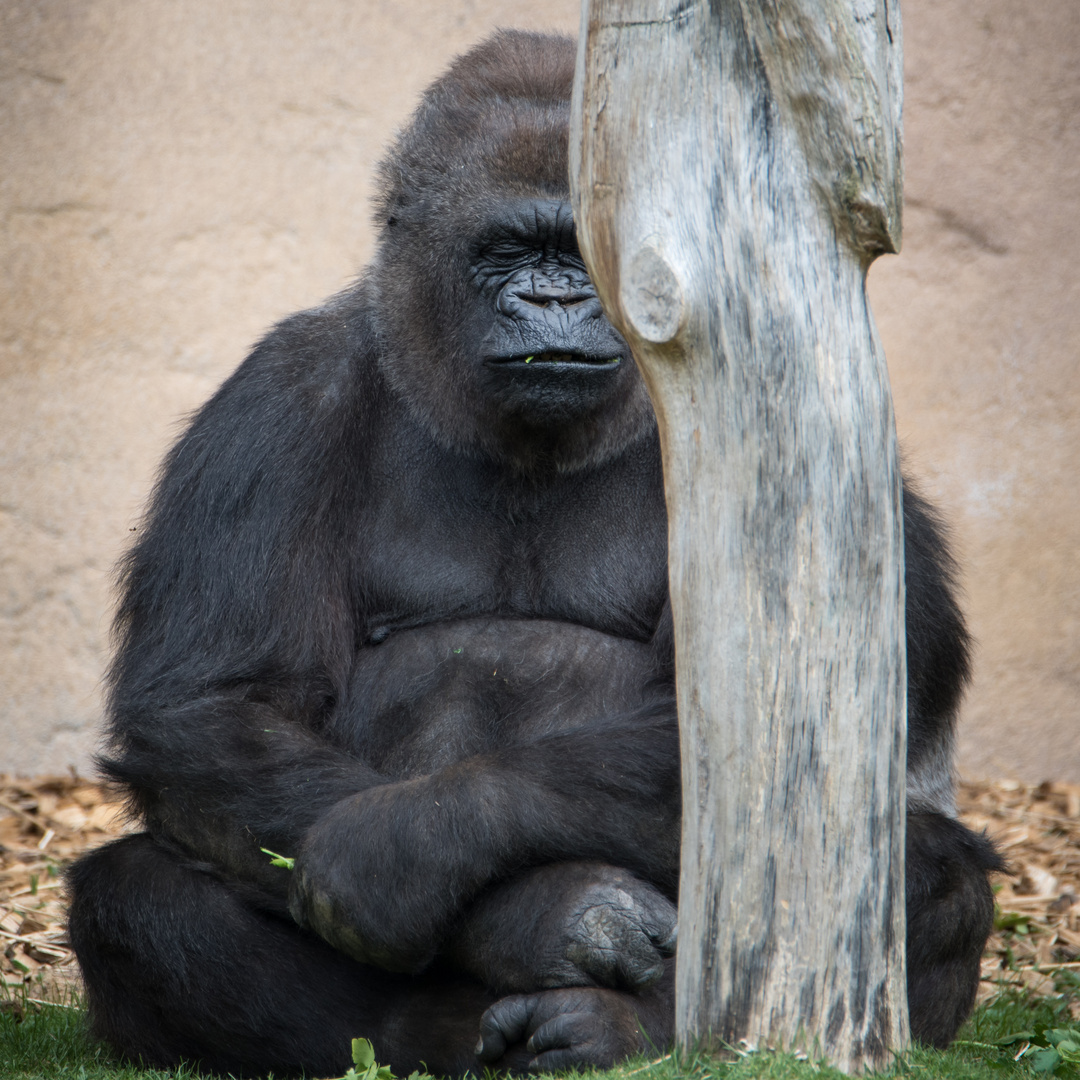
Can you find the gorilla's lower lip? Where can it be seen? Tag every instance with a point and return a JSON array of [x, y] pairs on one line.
[[553, 359]]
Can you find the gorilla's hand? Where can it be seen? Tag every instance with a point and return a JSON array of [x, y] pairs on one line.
[[568, 924], [572, 1028], [367, 891]]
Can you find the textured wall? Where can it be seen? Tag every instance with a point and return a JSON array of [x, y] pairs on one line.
[[980, 316], [175, 177]]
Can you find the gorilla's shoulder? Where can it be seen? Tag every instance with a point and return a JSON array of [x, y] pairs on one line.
[[305, 398], [311, 365]]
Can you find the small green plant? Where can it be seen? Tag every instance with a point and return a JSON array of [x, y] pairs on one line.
[[1011, 920], [1044, 1050], [279, 860], [365, 1067], [1062, 1045]]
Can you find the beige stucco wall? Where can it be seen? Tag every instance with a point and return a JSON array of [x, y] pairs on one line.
[[980, 316], [175, 177]]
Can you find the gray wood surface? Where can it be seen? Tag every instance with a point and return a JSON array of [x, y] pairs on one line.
[[736, 166]]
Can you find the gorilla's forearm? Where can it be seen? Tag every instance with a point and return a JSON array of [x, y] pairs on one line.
[[222, 777], [384, 874]]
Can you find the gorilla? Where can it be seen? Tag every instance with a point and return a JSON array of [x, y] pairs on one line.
[[399, 611]]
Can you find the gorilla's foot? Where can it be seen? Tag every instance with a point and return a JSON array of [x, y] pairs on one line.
[[567, 924], [576, 1028]]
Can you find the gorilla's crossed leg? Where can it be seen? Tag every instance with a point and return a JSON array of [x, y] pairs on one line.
[[180, 963], [183, 960]]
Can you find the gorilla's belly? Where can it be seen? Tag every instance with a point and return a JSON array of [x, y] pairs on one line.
[[429, 696]]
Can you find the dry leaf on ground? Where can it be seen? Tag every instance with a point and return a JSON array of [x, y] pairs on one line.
[[45, 822]]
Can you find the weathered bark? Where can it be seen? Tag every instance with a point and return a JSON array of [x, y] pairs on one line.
[[736, 167]]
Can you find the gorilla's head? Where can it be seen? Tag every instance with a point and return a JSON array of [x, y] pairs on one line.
[[490, 326]]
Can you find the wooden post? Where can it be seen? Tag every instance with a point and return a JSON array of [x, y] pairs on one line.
[[736, 166]]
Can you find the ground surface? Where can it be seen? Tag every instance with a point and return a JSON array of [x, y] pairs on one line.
[[47, 821]]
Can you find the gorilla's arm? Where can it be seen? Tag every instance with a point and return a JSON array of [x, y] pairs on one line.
[[224, 776], [235, 632], [383, 874]]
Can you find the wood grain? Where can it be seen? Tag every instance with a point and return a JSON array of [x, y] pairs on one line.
[[735, 167]]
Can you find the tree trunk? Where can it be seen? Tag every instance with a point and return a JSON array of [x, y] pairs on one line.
[[736, 166]]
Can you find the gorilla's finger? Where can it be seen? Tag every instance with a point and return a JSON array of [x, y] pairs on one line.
[[667, 942], [662, 925], [554, 1034], [557, 1060], [503, 1024]]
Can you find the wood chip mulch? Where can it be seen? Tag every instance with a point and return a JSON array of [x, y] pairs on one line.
[[47, 821], [1037, 830]]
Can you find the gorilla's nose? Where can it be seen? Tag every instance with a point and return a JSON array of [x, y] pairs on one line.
[[531, 302]]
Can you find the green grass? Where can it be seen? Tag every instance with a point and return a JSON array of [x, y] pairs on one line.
[[50, 1043]]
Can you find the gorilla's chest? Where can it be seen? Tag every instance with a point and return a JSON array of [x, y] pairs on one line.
[[490, 610], [455, 540], [428, 696]]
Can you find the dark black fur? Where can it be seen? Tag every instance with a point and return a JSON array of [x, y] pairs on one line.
[[399, 609]]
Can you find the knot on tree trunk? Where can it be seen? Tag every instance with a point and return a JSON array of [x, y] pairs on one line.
[[651, 296]]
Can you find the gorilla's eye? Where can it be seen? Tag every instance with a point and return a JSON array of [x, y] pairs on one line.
[[510, 254]]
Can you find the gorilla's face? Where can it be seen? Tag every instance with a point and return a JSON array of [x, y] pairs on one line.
[[545, 353], [494, 334]]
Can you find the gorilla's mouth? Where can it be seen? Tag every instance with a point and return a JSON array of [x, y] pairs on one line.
[[558, 359]]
